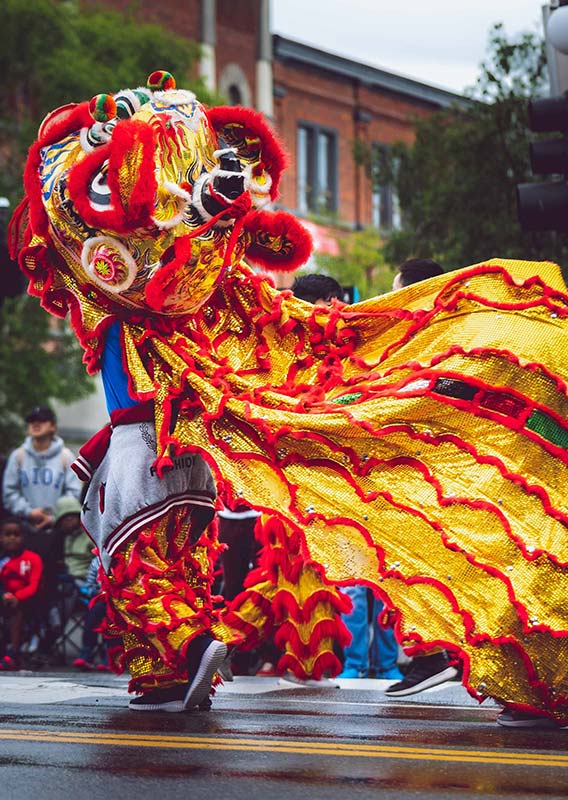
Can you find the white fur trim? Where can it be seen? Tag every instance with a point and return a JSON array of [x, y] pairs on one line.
[[174, 97], [259, 192], [219, 153], [199, 187]]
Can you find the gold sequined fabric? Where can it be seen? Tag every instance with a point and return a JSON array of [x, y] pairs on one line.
[[159, 595], [286, 595], [418, 440]]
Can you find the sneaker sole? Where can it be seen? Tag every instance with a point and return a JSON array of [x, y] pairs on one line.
[[172, 706], [541, 722], [427, 683], [200, 686]]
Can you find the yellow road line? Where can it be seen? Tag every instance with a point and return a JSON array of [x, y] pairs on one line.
[[301, 747]]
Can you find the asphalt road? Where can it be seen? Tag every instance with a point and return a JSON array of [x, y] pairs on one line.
[[66, 736]]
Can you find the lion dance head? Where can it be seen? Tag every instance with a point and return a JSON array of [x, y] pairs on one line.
[[138, 202]]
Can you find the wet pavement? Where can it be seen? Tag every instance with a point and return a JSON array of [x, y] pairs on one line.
[[72, 736]]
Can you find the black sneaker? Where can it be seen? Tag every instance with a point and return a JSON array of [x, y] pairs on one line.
[[520, 719], [204, 657], [424, 672], [170, 699]]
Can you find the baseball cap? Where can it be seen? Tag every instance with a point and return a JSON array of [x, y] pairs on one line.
[[41, 414]]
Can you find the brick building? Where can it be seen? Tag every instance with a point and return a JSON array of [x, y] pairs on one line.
[[319, 102]]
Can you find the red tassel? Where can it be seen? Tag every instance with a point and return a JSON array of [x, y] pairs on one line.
[[16, 228]]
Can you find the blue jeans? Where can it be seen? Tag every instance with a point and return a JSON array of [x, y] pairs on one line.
[[380, 652]]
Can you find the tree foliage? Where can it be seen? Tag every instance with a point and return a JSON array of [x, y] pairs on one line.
[[53, 53], [457, 183], [360, 263], [40, 359]]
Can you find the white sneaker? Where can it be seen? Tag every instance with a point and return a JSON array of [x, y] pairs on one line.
[[308, 683]]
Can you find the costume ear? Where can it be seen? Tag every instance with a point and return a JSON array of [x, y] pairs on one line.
[[276, 240], [256, 146], [63, 121]]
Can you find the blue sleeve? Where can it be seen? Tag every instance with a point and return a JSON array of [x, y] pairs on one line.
[[115, 379]]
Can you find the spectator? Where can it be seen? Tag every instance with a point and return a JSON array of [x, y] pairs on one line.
[[367, 655], [74, 546], [415, 270], [37, 473], [3, 461], [94, 617], [320, 290], [20, 576]]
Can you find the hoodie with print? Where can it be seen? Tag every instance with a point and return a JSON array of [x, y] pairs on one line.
[[35, 479]]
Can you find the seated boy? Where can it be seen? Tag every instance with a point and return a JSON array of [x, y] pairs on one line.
[[20, 576]]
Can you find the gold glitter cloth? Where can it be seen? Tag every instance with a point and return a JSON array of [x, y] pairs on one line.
[[159, 598], [417, 440], [286, 594]]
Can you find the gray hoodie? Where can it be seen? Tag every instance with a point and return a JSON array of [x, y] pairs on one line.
[[38, 480]]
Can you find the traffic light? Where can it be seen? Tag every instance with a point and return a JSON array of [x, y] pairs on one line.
[[544, 206]]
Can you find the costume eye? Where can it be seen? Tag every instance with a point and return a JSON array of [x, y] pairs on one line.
[[99, 190]]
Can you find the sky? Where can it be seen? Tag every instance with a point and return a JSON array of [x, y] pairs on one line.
[[439, 42]]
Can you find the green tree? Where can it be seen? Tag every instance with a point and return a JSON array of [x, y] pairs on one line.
[[53, 53], [360, 263], [457, 183], [39, 360]]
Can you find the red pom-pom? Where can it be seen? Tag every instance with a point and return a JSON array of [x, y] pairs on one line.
[[267, 227], [161, 81], [102, 107]]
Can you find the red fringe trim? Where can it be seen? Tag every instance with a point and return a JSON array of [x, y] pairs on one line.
[[326, 662], [288, 635]]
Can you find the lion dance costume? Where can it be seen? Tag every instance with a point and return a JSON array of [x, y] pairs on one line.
[[416, 443]]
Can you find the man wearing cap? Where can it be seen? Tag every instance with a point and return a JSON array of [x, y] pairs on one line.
[[37, 473]]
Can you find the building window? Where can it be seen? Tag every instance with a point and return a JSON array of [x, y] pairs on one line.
[[385, 203], [317, 169], [235, 96], [233, 84]]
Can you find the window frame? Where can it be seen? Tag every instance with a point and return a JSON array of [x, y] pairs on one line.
[[390, 194], [318, 130]]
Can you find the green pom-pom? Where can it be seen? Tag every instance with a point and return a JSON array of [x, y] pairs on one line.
[[102, 107], [161, 81]]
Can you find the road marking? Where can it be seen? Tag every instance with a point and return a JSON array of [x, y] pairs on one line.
[[387, 703], [290, 746]]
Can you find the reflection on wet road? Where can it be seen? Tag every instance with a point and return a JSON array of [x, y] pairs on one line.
[[60, 737]]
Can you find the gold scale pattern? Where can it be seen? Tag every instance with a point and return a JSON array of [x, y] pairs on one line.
[[453, 512]]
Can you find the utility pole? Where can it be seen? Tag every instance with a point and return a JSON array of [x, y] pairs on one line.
[[555, 19]]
